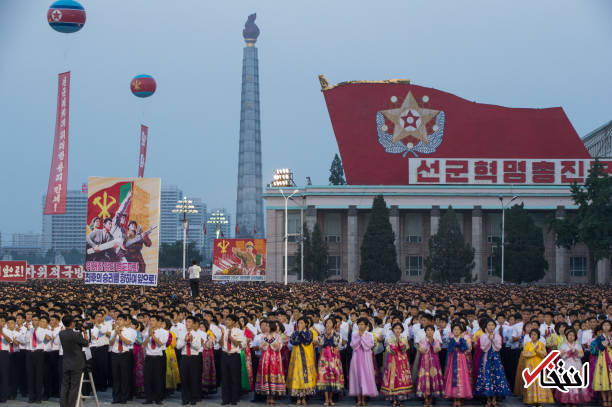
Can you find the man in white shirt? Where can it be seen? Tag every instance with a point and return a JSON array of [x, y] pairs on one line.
[[233, 341], [121, 343], [154, 343], [547, 328], [99, 351], [35, 359], [194, 278], [190, 344], [52, 367], [9, 348]]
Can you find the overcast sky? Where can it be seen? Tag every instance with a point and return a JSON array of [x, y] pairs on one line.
[[518, 53]]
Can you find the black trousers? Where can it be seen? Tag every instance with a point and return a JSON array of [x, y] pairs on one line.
[[35, 365], [217, 353], [513, 359], [99, 366], [194, 283], [14, 376], [70, 388], [230, 377], [5, 368], [191, 378], [22, 380], [442, 357], [154, 386], [51, 379], [120, 367]]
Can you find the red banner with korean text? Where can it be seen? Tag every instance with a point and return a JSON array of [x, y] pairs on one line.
[[142, 158], [13, 271], [239, 260], [515, 171], [58, 177], [54, 272]]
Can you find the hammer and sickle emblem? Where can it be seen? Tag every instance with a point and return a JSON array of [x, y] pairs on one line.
[[223, 245], [104, 205]]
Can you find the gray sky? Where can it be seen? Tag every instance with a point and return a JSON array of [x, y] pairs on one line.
[[518, 53]]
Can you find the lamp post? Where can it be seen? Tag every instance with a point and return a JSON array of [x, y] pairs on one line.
[[501, 200], [184, 206], [287, 197]]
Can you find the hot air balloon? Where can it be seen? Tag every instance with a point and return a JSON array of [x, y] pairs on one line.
[[143, 86], [66, 16]]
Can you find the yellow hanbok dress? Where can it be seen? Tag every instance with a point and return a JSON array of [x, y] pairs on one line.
[[173, 377], [302, 374], [535, 394], [601, 347]]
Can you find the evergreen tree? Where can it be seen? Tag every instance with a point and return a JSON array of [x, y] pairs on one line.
[[592, 225], [378, 255], [307, 256], [524, 248], [451, 258], [336, 172], [317, 256]]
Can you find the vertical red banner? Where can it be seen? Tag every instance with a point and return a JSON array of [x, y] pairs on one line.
[[58, 177], [142, 158]]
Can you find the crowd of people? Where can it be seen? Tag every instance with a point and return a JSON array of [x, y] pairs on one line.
[[303, 341]]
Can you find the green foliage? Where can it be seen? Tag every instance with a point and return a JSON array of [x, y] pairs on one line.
[[315, 263], [451, 258], [592, 225], [378, 255], [171, 254], [524, 248], [336, 172]]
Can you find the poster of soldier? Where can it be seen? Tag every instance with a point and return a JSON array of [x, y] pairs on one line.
[[122, 236], [239, 260]]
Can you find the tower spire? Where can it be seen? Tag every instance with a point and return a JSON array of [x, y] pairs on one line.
[[249, 202]]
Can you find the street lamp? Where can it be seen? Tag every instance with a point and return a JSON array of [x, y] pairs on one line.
[[286, 228], [218, 219], [184, 206], [501, 200]]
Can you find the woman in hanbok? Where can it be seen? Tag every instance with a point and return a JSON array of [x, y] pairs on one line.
[[491, 381], [397, 377], [557, 338], [534, 351], [209, 372], [458, 382], [245, 357], [477, 350], [330, 377], [173, 376], [429, 380], [519, 383], [285, 351], [138, 352], [601, 347], [302, 376], [362, 383], [270, 380], [468, 340], [571, 354], [379, 348]]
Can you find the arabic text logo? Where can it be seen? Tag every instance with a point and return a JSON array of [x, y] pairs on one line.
[[553, 375]]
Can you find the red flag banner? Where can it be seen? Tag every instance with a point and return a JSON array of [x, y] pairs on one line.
[[54, 272], [142, 158], [58, 177], [379, 126], [13, 271]]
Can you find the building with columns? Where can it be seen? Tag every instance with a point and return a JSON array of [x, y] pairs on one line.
[[443, 159]]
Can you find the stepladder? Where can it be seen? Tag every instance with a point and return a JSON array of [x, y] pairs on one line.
[[87, 379]]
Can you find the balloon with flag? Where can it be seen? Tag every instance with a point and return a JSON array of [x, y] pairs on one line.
[[66, 16], [143, 86]]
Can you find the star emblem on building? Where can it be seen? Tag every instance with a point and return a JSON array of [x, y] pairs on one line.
[[410, 120]]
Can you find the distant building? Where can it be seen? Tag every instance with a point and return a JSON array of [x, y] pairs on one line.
[[195, 232], [26, 240], [67, 231], [169, 230], [599, 141], [216, 220]]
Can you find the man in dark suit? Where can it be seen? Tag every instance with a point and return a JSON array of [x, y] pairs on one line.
[[73, 362]]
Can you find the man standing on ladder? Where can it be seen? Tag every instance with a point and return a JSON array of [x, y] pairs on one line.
[[73, 364], [194, 278]]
